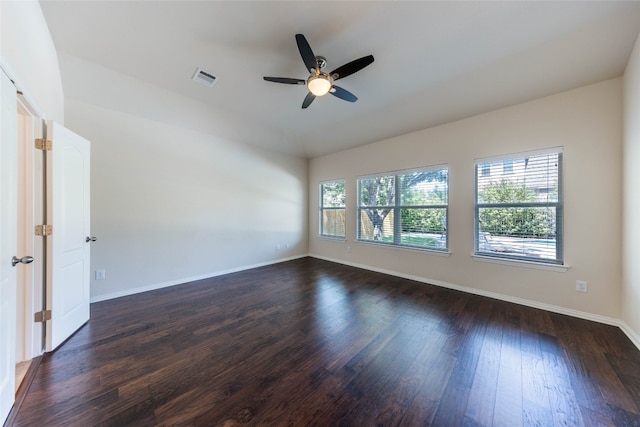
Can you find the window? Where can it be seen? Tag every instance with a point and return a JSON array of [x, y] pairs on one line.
[[507, 166], [518, 213], [405, 208], [332, 209]]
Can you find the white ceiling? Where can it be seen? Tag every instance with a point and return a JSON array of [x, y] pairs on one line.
[[435, 62]]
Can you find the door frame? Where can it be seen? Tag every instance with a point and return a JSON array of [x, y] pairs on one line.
[[31, 213], [31, 179]]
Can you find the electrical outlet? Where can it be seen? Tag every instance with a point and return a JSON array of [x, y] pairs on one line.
[[581, 286], [100, 275]]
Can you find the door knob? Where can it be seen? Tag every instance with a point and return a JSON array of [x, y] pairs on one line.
[[90, 239], [24, 260]]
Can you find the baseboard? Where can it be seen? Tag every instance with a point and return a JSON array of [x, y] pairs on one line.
[[633, 336], [22, 391], [635, 339], [630, 333], [184, 280]]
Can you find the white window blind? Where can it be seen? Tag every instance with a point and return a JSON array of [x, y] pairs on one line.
[[408, 208], [518, 207], [332, 209]]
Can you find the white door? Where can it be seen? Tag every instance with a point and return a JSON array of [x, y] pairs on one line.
[[68, 251], [8, 243]]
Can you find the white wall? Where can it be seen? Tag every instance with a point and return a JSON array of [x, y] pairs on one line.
[[30, 57], [176, 192], [586, 122], [631, 236]]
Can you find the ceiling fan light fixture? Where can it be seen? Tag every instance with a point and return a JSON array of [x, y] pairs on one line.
[[319, 85]]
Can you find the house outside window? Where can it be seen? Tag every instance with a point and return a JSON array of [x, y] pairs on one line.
[[332, 209], [507, 166], [407, 208], [519, 212]]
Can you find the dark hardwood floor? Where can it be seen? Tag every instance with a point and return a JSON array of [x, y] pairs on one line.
[[309, 342]]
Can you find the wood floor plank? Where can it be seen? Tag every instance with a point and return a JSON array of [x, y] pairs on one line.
[[565, 408], [508, 408], [536, 407], [383, 374], [314, 343], [482, 396], [397, 402], [453, 403], [426, 403]]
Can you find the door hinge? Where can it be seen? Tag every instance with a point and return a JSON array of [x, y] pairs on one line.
[[42, 316], [44, 144], [44, 230]]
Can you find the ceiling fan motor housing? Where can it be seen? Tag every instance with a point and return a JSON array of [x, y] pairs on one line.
[[321, 61]]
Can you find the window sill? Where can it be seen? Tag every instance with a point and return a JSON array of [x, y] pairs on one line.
[[437, 252], [333, 239], [562, 268]]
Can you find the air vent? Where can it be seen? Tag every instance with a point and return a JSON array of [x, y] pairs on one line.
[[204, 77]]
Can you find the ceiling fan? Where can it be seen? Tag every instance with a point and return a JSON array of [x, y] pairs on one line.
[[319, 82]]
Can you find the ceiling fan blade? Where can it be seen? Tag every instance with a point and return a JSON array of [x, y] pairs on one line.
[[351, 67], [343, 94], [285, 80], [307, 54], [308, 100]]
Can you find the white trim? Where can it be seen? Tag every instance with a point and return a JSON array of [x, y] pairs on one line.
[[34, 109], [329, 181], [331, 238], [514, 156], [32, 279], [406, 171], [429, 251], [29, 104], [321, 207], [184, 280], [630, 333], [562, 268], [633, 337], [32, 192]]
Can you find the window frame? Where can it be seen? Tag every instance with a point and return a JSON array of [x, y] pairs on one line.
[[322, 208], [558, 205], [397, 208]]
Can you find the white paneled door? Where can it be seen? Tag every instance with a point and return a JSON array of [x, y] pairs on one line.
[[68, 248], [8, 243]]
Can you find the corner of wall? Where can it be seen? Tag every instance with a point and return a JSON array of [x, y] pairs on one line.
[[631, 199]]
